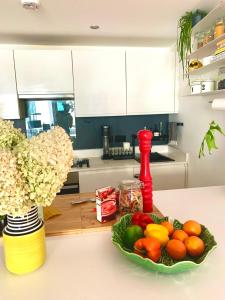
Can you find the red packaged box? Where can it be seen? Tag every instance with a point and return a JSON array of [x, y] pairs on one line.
[[106, 204]]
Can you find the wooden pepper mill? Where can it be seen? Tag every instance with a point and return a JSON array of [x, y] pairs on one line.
[[145, 142]]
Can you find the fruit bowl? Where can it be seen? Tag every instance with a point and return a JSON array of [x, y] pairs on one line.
[[166, 264]]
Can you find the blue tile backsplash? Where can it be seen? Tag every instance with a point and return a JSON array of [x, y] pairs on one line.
[[89, 133]]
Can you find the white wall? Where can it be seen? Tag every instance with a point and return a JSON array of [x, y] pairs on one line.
[[196, 114]]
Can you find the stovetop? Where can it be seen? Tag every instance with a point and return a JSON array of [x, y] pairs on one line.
[[155, 157]]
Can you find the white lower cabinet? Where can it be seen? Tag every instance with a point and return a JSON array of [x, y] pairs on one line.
[[164, 177], [89, 181], [167, 177]]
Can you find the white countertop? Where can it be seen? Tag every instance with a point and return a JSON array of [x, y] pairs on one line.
[[96, 163], [89, 267]]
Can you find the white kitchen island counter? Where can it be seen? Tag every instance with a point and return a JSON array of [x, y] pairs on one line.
[[88, 266]]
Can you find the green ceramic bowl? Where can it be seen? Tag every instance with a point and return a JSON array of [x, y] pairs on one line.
[[166, 264]]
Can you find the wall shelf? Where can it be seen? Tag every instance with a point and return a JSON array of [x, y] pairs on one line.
[[210, 18], [206, 50], [216, 92], [208, 21], [208, 67]]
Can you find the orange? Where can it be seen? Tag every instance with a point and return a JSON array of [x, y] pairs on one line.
[[192, 228], [179, 235], [176, 249], [169, 226], [194, 245]]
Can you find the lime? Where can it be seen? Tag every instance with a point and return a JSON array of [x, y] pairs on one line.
[[131, 235]]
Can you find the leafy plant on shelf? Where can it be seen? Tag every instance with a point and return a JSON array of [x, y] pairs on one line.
[[209, 139], [185, 25], [184, 39]]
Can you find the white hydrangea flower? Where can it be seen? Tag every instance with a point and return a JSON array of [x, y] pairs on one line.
[[9, 136], [36, 169]]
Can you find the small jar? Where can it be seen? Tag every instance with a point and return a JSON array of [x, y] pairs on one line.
[[219, 28], [208, 86], [200, 40], [194, 42], [208, 36], [196, 87], [221, 78], [130, 199]]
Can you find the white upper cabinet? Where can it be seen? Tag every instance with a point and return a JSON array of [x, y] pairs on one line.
[[44, 71], [100, 83], [150, 81], [8, 95]]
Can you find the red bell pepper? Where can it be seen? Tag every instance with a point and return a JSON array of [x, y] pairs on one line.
[[141, 219]]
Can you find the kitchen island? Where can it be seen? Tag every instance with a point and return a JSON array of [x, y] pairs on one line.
[[87, 266]]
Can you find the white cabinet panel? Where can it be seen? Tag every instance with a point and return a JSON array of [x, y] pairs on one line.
[[44, 71], [100, 83], [8, 95], [167, 177], [150, 80], [91, 180]]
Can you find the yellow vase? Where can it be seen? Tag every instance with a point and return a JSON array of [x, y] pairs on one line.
[[24, 253]]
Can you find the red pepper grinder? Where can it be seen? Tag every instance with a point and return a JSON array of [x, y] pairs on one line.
[[145, 142]]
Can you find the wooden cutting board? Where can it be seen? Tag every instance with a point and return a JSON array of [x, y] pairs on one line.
[[77, 218]]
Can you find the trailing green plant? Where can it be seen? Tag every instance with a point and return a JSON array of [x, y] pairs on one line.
[[209, 139], [184, 39]]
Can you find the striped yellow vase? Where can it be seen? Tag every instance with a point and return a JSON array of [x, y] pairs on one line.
[[24, 243]]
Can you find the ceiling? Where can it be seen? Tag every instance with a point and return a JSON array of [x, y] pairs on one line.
[[68, 21]]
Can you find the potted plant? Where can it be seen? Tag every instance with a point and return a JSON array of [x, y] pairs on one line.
[[209, 139], [185, 24]]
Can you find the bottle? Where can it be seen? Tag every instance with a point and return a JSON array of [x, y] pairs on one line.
[[160, 129], [156, 131]]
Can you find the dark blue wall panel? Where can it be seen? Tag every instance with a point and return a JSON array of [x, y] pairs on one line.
[[89, 134]]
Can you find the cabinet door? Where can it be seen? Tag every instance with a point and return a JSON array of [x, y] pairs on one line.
[[8, 95], [100, 84], [150, 81], [44, 71], [89, 181], [167, 177]]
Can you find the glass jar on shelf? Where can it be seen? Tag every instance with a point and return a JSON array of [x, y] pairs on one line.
[[209, 35], [130, 199], [221, 78], [194, 42], [200, 39], [219, 28]]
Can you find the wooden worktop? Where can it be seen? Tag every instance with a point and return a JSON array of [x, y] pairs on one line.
[[76, 218]]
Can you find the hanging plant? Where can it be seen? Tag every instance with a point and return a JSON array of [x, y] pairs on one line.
[[184, 40]]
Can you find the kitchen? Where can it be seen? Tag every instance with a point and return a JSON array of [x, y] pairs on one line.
[[123, 75]]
